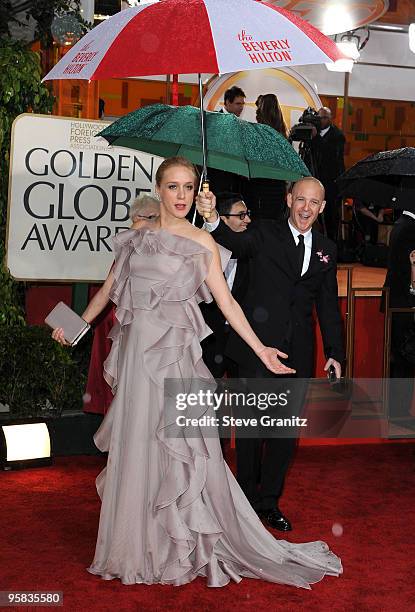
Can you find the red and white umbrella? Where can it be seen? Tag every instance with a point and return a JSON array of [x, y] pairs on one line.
[[195, 36]]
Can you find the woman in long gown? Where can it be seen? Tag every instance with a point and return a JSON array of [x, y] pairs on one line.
[[171, 508]]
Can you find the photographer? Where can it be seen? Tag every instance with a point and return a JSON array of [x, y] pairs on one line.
[[322, 150], [327, 147]]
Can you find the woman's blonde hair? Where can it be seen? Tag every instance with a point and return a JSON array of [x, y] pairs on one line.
[[175, 161]]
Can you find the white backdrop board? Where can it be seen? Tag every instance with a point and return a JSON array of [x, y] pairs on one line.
[[69, 193], [294, 92]]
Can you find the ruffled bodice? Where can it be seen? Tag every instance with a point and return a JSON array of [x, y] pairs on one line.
[[164, 274]]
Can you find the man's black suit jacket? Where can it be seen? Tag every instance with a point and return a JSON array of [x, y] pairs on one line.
[[398, 277], [279, 302], [328, 153]]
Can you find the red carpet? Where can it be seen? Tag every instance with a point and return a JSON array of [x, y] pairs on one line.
[[50, 517]]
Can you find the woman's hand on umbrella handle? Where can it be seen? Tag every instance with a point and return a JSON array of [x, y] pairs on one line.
[[206, 205], [269, 357]]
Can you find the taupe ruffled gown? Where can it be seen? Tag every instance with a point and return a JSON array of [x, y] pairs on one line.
[[171, 508]]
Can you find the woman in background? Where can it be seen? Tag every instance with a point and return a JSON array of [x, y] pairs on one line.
[[266, 198], [269, 112]]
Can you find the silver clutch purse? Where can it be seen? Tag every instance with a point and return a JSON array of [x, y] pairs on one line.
[[74, 327]]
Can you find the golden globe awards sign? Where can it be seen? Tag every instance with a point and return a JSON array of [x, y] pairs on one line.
[[69, 194]]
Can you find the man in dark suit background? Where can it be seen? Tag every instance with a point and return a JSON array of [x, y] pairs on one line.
[[400, 279], [233, 101], [234, 213], [327, 148], [292, 270], [220, 180]]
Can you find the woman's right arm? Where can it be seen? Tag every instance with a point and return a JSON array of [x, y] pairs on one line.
[[100, 299], [94, 308], [235, 316]]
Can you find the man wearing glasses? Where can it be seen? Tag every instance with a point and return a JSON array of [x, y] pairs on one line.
[[234, 213]]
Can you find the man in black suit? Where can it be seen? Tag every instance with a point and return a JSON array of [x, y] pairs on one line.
[[400, 279], [234, 213], [327, 147], [292, 270]]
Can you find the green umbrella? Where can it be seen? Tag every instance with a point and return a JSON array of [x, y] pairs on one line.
[[234, 145]]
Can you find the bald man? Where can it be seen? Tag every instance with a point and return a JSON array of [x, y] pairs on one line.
[[328, 151]]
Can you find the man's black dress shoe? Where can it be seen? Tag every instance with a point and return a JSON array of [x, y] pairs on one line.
[[275, 519]]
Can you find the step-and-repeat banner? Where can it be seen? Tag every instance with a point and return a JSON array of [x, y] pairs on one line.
[[69, 194]]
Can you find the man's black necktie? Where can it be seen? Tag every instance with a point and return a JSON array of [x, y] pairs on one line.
[[300, 251]]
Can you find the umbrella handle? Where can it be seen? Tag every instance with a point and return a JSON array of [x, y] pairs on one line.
[[205, 189]]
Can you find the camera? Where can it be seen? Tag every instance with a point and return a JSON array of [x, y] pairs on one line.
[[303, 130]]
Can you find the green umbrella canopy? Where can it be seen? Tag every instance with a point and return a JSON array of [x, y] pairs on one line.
[[234, 145]]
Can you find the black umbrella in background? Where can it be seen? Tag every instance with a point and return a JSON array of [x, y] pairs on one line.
[[386, 179]]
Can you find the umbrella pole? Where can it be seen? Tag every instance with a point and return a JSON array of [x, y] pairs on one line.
[[205, 181], [168, 89], [203, 130]]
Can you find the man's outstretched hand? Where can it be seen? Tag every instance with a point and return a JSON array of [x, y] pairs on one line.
[[269, 357]]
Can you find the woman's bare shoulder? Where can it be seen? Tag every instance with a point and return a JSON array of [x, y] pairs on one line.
[[203, 237]]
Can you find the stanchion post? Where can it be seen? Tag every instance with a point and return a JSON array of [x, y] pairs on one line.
[[349, 319], [351, 307]]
